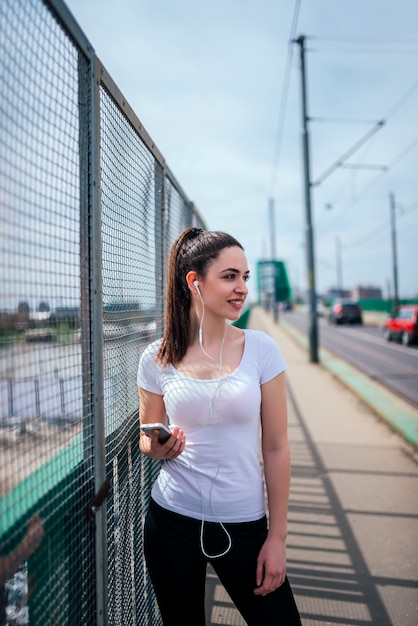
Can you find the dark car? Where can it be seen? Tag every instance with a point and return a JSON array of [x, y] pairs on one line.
[[345, 311], [403, 326]]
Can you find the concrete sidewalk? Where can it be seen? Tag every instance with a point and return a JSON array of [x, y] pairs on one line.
[[398, 414], [353, 510]]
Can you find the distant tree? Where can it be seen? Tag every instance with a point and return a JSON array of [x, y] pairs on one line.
[[22, 318], [43, 307], [23, 307]]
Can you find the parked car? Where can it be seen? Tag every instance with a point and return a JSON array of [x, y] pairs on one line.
[[345, 311], [403, 326]]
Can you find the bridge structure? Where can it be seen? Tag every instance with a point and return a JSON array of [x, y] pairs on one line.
[[89, 210]]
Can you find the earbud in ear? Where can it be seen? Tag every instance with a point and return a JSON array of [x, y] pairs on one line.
[[196, 284]]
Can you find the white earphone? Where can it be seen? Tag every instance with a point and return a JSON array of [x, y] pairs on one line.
[[196, 284], [212, 399]]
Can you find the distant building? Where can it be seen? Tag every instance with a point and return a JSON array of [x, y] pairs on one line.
[[39, 317], [334, 292], [66, 315], [367, 293]]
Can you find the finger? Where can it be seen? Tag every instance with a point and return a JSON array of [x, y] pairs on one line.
[[177, 441], [269, 583], [275, 583], [259, 573], [178, 434], [173, 450]]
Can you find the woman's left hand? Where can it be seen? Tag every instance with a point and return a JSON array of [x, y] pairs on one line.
[[271, 566]]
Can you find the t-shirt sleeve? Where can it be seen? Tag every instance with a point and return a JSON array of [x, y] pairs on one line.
[[149, 373], [272, 361]]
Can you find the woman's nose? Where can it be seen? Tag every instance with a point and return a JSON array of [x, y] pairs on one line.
[[242, 286]]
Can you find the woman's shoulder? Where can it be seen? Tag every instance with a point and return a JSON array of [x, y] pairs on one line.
[[151, 350], [259, 337], [263, 345], [265, 353], [149, 371]]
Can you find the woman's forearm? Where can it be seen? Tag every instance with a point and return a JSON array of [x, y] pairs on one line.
[[277, 478]]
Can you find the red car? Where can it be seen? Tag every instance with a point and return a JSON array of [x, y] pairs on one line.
[[403, 326]]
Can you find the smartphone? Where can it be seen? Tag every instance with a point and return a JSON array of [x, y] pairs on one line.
[[165, 432]]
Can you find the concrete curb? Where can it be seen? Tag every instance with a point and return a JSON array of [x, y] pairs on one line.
[[395, 412]]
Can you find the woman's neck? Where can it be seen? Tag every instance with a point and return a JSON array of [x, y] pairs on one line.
[[209, 331]]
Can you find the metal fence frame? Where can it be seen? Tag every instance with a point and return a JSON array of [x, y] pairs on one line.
[[92, 473]]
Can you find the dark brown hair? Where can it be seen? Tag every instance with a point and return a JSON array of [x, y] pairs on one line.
[[194, 250]]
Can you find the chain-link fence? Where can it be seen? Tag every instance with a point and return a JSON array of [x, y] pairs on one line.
[[89, 210]]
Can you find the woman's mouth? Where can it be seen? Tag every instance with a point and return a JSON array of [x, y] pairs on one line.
[[237, 304]]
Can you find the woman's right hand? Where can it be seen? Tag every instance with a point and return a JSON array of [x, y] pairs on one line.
[[171, 449]]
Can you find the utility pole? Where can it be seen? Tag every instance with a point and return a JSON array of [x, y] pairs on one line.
[[313, 322], [272, 230], [274, 303], [394, 252], [339, 267]]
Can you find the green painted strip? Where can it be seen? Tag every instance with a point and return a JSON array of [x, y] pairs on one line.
[[398, 414], [15, 504]]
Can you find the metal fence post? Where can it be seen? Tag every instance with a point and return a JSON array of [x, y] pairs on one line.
[[97, 345]]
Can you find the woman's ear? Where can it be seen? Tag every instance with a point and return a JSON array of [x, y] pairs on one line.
[[192, 279]]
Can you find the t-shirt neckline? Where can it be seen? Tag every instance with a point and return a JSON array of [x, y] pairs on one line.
[[215, 380]]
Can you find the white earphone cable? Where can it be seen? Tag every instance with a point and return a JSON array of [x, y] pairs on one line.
[[211, 401]]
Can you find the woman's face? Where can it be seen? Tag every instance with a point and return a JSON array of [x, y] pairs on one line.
[[224, 288]]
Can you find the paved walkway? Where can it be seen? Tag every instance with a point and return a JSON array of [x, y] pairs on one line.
[[353, 511]]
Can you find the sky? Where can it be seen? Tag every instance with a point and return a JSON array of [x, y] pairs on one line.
[[217, 85]]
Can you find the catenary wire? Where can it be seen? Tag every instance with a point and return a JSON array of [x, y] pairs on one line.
[[283, 100], [372, 183], [400, 102]]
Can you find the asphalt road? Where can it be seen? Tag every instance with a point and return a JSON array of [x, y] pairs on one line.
[[391, 364]]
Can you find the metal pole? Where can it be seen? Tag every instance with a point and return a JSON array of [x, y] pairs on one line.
[[394, 253], [339, 267], [274, 303], [272, 230], [313, 322], [97, 349]]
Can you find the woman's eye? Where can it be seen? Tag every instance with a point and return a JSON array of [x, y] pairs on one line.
[[245, 278]]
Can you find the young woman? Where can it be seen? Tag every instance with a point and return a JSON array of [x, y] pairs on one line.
[[213, 385]]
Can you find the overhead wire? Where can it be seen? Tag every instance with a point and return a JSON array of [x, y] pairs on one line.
[[362, 51], [365, 42], [372, 183], [378, 231], [283, 100], [354, 200], [391, 165], [390, 113], [352, 245], [285, 93]]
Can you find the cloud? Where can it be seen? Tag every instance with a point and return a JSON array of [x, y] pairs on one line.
[[206, 81]]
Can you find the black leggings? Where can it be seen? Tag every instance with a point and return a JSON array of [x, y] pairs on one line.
[[177, 568]]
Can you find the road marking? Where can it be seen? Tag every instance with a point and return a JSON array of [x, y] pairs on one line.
[[381, 342]]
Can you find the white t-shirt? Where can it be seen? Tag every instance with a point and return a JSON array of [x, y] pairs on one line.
[[218, 476]]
